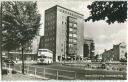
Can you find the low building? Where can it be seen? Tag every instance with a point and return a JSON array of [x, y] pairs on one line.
[[30, 53], [117, 53]]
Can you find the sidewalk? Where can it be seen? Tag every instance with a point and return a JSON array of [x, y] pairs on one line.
[[19, 76]]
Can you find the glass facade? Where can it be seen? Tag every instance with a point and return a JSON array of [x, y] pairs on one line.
[[71, 36]]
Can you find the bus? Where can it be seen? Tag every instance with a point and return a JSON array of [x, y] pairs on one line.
[[45, 56]]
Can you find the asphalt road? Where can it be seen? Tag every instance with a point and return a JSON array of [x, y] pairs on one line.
[[76, 72]]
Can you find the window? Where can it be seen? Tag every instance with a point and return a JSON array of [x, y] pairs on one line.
[[70, 40], [70, 29], [53, 27], [63, 11], [70, 45], [74, 35], [122, 51], [70, 24], [62, 22], [74, 25], [70, 35], [75, 31], [60, 10], [68, 12], [72, 14], [74, 41]]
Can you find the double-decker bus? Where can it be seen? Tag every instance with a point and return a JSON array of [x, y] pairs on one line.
[[45, 56]]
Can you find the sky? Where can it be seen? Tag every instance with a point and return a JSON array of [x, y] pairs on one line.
[[104, 35]]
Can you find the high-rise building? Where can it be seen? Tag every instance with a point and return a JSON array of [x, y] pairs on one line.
[[89, 48], [64, 32], [117, 53]]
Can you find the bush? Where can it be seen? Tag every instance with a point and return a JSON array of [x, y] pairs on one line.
[[103, 66], [4, 71], [14, 72]]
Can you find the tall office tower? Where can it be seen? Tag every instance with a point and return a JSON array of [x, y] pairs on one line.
[[64, 32]]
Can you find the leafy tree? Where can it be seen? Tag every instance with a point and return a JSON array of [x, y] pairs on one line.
[[110, 11], [21, 22], [96, 57]]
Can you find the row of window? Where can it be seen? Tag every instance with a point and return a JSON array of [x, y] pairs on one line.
[[72, 20], [69, 13], [49, 39], [50, 28], [49, 33], [72, 52], [72, 40], [49, 17], [72, 25], [72, 45], [73, 35], [72, 30], [49, 45], [47, 23], [64, 22]]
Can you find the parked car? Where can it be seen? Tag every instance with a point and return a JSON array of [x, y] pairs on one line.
[[8, 61], [103, 66]]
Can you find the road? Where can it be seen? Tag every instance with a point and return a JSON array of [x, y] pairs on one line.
[[81, 74]]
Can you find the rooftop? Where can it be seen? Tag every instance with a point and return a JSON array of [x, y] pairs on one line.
[[66, 9]]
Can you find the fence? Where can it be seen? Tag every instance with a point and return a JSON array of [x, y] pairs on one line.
[[50, 73], [47, 73]]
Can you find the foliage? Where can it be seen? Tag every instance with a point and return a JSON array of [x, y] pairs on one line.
[[20, 21], [110, 11], [96, 57]]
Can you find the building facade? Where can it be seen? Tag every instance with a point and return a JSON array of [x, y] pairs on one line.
[[64, 32], [89, 48], [117, 53]]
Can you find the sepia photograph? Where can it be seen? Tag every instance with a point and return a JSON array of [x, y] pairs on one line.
[[63, 40]]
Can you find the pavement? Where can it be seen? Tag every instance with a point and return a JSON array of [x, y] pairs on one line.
[[19, 76]]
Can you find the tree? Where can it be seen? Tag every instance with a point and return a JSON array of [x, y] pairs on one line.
[[21, 22], [96, 57], [110, 11]]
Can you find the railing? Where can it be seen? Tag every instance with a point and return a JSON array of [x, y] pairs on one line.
[[47, 73], [50, 73]]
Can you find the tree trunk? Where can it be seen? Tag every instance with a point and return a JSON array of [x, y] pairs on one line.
[[8, 54], [0, 39], [22, 60]]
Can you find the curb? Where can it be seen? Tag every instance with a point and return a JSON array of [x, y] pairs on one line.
[[32, 75], [37, 76]]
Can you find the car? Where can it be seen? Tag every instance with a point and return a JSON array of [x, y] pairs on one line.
[[8, 62]]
